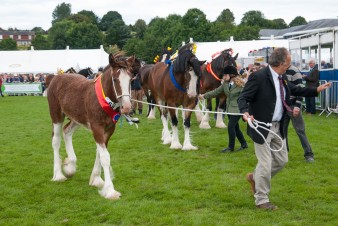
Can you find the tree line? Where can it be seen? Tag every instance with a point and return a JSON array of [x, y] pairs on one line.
[[85, 30]]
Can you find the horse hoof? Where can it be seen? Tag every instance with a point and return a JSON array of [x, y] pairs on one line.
[[96, 182], [205, 126], [176, 146], [111, 194], [189, 148], [59, 178], [69, 167]]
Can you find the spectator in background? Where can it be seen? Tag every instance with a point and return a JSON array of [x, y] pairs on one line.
[[323, 65], [136, 94], [16, 79], [9, 78], [1, 81], [312, 81], [295, 77], [30, 78]]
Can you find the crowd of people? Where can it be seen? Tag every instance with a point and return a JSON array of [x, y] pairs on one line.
[[22, 78]]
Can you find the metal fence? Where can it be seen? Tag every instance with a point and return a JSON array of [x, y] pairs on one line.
[[327, 101]]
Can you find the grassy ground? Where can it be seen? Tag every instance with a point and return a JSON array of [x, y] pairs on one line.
[[159, 186]]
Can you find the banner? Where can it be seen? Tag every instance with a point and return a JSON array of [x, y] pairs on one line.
[[22, 88]]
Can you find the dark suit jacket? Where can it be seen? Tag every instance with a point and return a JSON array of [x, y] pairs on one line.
[[259, 99]]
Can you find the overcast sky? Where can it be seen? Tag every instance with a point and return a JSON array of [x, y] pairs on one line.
[[27, 14]]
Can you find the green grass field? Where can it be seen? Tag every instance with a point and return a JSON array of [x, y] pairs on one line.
[[159, 186]]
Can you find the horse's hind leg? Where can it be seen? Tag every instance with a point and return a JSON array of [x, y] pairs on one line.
[[205, 119], [219, 119], [56, 141], [69, 164]]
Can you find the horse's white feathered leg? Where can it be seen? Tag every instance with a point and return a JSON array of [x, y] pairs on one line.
[[107, 190], [69, 164], [166, 136], [219, 119], [56, 141], [95, 178], [187, 143], [175, 143], [205, 121], [152, 114], [198, 113]]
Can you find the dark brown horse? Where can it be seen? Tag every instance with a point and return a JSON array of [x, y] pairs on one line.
[[212, 74], [173, 86], [144, 75], [97, 108]]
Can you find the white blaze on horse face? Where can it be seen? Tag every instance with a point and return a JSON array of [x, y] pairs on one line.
[[124, 78], [192, 88]]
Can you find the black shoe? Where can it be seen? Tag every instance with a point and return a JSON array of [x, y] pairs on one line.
[[245, 146], [228, 149]]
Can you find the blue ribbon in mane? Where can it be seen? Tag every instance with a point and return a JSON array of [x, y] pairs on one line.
[[172, 77]]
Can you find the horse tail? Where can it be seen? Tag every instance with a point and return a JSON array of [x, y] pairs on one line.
[[49, 79]]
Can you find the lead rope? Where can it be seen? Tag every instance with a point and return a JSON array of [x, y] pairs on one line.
[[253, 124]]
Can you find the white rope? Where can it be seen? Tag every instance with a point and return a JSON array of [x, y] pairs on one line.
[[253, 124]]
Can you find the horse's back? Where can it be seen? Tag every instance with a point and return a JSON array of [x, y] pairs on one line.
[[67, 94]]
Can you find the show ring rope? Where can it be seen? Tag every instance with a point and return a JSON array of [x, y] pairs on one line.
[[253, 124]]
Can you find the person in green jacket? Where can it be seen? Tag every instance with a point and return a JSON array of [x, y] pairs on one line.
[[232, 86]]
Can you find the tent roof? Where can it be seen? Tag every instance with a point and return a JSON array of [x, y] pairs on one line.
[[49, 61]]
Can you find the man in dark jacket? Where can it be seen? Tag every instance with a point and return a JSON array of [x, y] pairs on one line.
[[266, 98], [312, 80]]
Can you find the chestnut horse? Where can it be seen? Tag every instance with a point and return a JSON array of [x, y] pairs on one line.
[[212, 74], [97, 108], [176, 85]]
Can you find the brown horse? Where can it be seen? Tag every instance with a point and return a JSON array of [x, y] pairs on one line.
[[144, 76], [212, 74], [176, 85], [97, 108]]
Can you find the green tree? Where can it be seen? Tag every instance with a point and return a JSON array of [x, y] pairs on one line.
[[93, 18], [108, 19], [140, 28], [195, 25], [57, 35], [84, 36], [226, 17], [38, 30], [279, 24], [8, 44], [253, 18], [61, 11], [117, 34], [299, 20], [40, 42], [243, 32], [78, 18]]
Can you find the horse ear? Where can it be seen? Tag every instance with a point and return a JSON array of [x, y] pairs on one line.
[[236, 56], [112, 59], [131, 59], [202, 62]]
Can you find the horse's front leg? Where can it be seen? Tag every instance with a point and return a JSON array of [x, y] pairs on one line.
[[206, 118], [107, 190], [219, 119], [166, 135], [187, 142], [95, 178], [56, 141], [175, 143], [69, 164]]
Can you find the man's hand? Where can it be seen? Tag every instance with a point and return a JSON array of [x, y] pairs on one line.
[[323, 87], [246, 116], [201, 97], [296, 111]]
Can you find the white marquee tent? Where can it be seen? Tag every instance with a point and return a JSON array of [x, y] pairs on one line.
[[205, 50], [49, 61]]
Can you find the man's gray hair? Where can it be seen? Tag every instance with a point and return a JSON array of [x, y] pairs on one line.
[[278, 56]]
